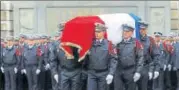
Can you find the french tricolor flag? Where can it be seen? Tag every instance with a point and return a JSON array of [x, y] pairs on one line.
[[79, 31], [114, 24]]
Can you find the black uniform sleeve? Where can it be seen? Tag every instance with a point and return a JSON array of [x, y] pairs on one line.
[[40, 56], [22, 61], [154, 53], [113, 59], [139, 56], [53, 61]]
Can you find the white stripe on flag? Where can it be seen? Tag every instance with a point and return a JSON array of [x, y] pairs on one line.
[[114, 23]]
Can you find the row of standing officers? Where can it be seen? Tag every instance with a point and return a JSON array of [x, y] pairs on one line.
[[132, 64]]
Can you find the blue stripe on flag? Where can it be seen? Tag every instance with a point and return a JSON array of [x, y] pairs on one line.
[[136, 18]]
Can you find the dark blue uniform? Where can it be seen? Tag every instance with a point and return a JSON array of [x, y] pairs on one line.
[[101, 63], [49, 57], [158, 84], [151, 57], [32, 60], [55, 63], [10, 62], [70, 71], [20, 77], [130, 61], [175, 61]]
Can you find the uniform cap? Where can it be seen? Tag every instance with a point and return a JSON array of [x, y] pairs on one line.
[[143, 24], [158, 34], [100, 27], [22, 36], [30, 38], [126, 27]]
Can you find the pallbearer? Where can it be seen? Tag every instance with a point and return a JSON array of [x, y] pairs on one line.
[[158, 82], [130, 62], [10, 63], [151, 57], [102, 61], [31, 64]]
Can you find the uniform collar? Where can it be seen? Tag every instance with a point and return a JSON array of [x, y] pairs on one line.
[[98, 42], [30, 47], [129, 40], [10, 48], [143, 38]]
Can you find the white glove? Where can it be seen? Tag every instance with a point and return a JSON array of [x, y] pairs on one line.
[[174, 68], [136, 77], [47, 66], [164, 68], [23, 71], [15, 70], [109, 79], [2, 69], [37, 71], [156, 74], [150, 75], [56, 77], [169, 67]]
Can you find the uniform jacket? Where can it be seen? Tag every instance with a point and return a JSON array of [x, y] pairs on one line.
[[130, 55], [175, 55], [164, 56], [10, 57], [151, 53], [32, 56], [101, 57]]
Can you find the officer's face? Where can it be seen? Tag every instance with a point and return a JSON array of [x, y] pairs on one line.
[[22, 40], [157, 38], [10, 43], [16, 42], [143, 31], [99, 35], [167, 41], [127, 34], [31, 42]]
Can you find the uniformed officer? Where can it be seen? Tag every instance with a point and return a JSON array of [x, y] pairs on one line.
[[151, 56], [175, 60], [131, 59], [70, 70], [21, 79], [10, 63], [168, 82], [49, 57], [42, 80], [101, 64], [31, 64], [56, 44], [158, 82]]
